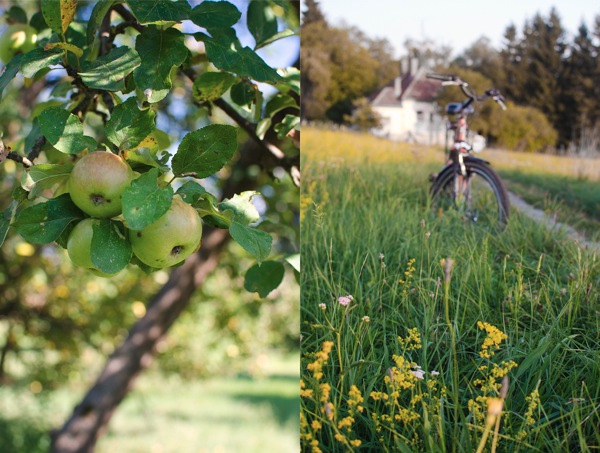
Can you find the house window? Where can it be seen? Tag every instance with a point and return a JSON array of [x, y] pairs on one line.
[[420, 116]]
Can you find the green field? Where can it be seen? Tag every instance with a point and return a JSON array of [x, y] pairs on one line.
[[171, 415], [454, 339]]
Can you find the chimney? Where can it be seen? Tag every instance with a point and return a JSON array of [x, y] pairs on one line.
[[414, 65], [398, 87], [404, 67]]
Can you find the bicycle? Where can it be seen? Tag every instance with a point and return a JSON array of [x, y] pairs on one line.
[[467, 183]]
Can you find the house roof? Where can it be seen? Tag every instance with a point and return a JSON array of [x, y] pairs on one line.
[[414, 86]]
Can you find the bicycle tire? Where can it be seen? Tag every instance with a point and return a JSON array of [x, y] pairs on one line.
[[486, 197]]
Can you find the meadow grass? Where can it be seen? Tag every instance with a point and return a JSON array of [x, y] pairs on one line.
[[421, 332], [170, 415]]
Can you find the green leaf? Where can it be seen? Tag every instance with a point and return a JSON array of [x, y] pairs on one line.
[[44, 222], [160, 11], [210, 86], [65, 46], [52, 15], [264, 278], [45, 176], [6, 219], [262, 23], [10, 71], [287, 124], [191, 192], [205, 151], [242, 93], [146, 152], [58, 14], [16, 14], [128, 125], [111, 250], [276, 37], [144, 202], [294, 261], [109, 71], [290, 80], [243, 209], [278, 103], [39, 59], [19, 194], [159, 51], [206, 204], [263, 127], [215, 15], [64, 131], [230, 56], [256, 242], [100, 9]]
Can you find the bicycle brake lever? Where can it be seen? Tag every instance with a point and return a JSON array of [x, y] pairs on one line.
[[500, 101]]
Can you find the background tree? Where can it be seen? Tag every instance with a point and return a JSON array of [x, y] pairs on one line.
[[177, 103], [340, 64], [483, 58], [579, 109], [363, 116], [545, 47]]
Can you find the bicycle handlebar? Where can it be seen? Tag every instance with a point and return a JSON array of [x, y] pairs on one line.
[[451, 79]]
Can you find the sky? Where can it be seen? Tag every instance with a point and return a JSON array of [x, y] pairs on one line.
[[457, 23]]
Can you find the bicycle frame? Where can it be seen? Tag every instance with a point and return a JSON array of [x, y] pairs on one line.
[[461, 163]]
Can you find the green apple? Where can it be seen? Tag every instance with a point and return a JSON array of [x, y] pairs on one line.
[[17, 38], [171, 239], [79, 246], [97, 183]]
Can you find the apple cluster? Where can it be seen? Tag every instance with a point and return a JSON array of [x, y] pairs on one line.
[[96, 186]]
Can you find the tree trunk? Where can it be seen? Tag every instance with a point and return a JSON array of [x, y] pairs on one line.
[[91, 416]]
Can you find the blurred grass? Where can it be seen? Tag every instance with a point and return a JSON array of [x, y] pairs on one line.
[[566, 187], [171, 415]]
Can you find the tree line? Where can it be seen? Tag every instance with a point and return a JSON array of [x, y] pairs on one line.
[[550, 79]]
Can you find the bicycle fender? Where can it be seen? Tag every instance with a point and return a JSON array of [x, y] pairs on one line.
[[476, 159], [450, 167]]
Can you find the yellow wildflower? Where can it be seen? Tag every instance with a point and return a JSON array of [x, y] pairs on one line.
[[492, 341], [411, 341], [377, 396], [346, 422], [355, 398], [534, 400], [406, 416], [317, 366], [340, 438], [325, 390], [499, 371], [315, 446], [304, 392]]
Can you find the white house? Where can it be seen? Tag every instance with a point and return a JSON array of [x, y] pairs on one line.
[[407, 108]]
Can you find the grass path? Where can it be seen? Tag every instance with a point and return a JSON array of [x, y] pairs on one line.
[[543, 218]]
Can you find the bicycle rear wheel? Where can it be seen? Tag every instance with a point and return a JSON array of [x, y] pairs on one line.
[[479, 196]]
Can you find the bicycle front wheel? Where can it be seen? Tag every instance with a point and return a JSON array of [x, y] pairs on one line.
[[479, 196]]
